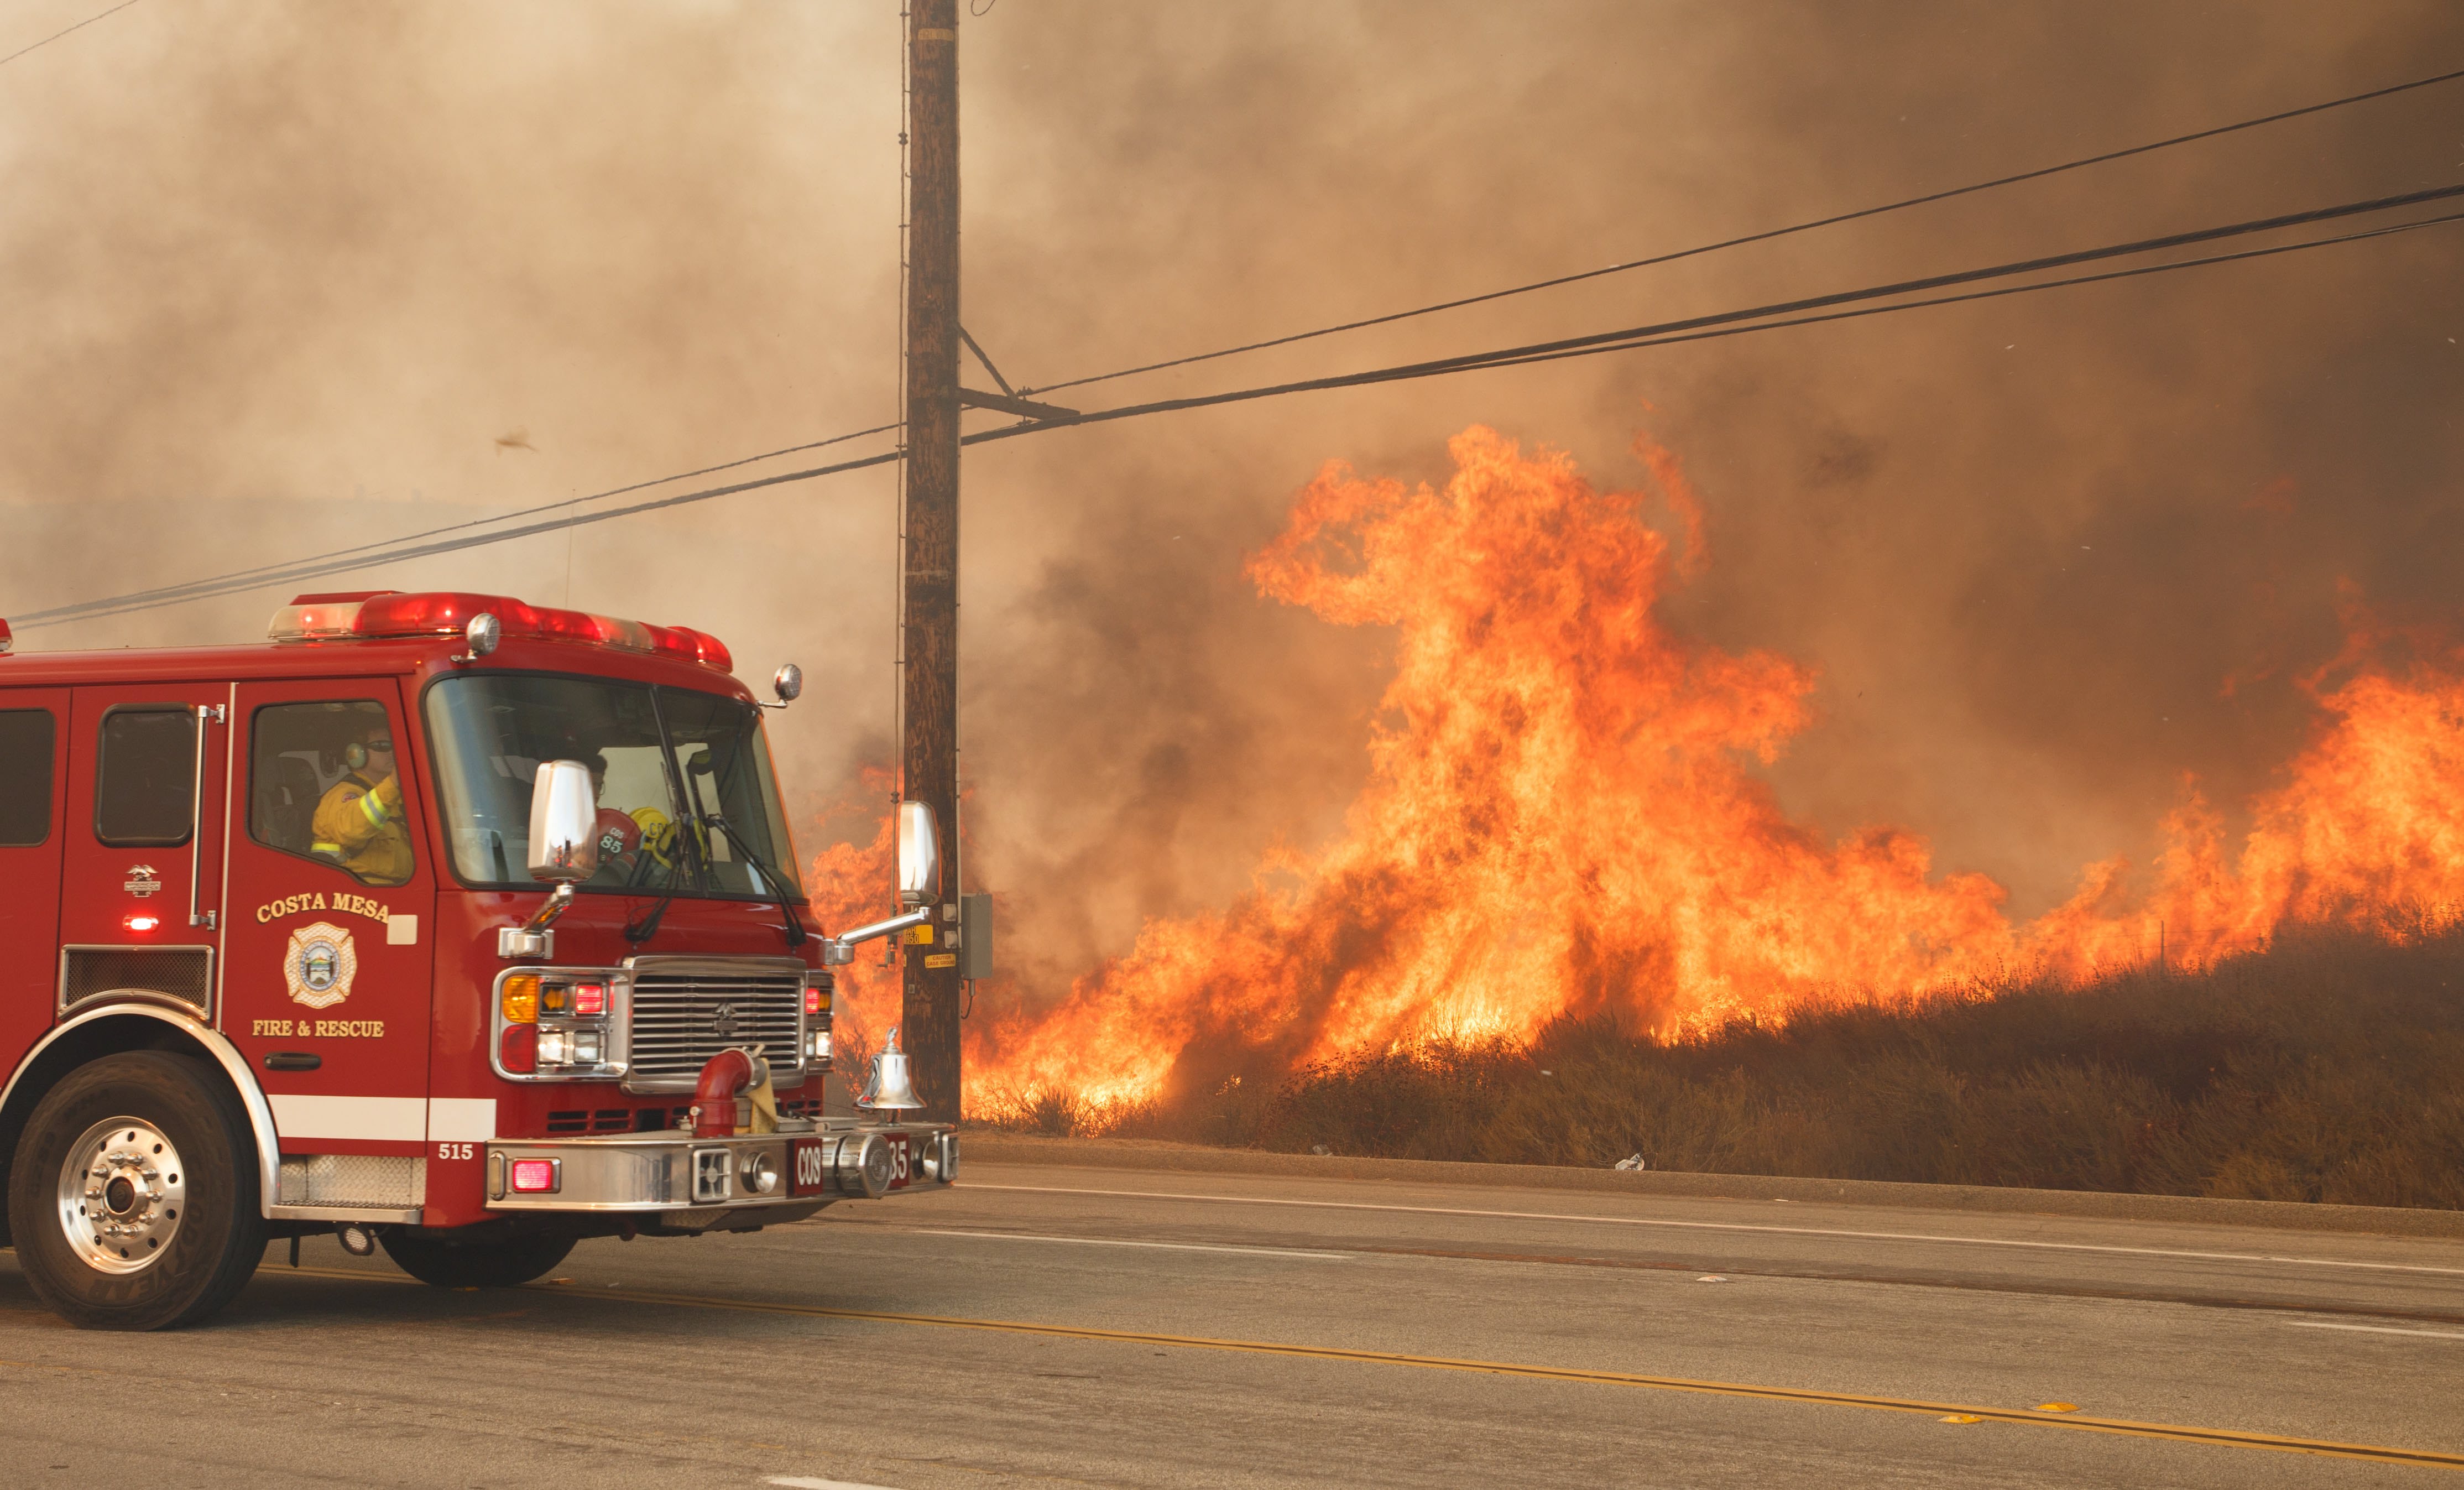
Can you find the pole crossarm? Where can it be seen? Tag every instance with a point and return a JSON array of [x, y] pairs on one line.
[[999, 381], [1024, 408]]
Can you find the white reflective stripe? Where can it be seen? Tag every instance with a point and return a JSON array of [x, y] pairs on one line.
[[399, 1119], [461, 1119]]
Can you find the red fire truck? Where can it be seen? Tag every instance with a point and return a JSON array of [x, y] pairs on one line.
[[460, 926]]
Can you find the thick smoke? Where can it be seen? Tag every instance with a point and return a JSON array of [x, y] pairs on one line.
[[284, 279]]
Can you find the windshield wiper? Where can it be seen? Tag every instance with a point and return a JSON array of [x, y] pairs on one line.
[[795, 933], [640, 931]]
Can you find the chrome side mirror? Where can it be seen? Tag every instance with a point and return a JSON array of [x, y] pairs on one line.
[[919, 855], [565, 823], [788, 684]]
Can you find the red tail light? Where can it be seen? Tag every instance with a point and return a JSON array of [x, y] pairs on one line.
[[517, 1050]]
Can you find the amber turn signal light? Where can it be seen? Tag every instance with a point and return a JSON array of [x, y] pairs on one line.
[[520, 998]]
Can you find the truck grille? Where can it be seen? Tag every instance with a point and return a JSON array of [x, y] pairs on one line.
[[688, 1009]]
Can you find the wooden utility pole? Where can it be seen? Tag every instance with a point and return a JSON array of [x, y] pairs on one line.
[[929, 585]]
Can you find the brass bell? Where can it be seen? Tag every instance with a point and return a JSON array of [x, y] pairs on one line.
[[887, 1089]]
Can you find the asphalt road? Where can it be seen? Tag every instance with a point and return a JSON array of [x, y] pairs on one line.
[[1044, 1325]]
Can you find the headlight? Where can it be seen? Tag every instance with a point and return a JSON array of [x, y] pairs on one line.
[[561, 1023]]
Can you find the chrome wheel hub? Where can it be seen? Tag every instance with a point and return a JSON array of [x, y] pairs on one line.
[[120, 1193]]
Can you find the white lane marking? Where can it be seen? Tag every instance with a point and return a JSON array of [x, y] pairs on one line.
[[1736, 1226], [811, 1483], [2379, 1329], [1106, 1242]]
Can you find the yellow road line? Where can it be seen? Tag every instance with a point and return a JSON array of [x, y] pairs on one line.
[[2179, 1432]]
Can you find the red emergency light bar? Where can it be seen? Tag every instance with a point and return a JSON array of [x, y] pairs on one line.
[[387, 613]]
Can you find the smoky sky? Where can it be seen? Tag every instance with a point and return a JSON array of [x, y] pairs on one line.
[[284, 279]]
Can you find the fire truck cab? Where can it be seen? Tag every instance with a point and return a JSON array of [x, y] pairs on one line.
[[465, 927]]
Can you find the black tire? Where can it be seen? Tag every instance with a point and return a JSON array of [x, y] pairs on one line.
[[475, 1264], [208, 1224]]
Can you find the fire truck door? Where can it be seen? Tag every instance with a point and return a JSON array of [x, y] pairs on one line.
[[34, 817], [142, 872], [332, 926]]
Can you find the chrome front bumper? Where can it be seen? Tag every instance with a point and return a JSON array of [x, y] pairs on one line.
[[674, 1178]]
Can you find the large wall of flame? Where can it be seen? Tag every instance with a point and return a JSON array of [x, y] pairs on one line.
[[1562, 818]]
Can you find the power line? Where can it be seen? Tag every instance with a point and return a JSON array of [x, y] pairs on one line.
[[1539, 351], [234, 583], [58, 34], [1667, 333], [279, 572], [1763, 236], [201, 589], [1997, 293]]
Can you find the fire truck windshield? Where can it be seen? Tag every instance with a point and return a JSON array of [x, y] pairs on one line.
[[666, 763]]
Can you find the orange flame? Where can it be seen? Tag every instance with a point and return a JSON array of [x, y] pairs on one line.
[[1562, 820], [847, 882]]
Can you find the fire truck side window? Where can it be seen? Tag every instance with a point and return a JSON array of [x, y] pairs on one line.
[[313, 768], [145, 777], [26, 737]]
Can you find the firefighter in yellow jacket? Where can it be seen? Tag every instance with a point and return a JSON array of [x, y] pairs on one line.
[[358, 822]]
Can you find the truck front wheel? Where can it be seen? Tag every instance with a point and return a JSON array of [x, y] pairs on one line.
[[134, 1194], [475, 1264]]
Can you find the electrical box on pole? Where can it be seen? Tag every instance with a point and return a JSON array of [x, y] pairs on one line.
[[930, 553], [976, 943]]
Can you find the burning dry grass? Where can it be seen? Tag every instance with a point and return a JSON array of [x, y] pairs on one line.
[[2326, 1069], [1564, 820]]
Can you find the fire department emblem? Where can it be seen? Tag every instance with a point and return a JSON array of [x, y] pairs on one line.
[[320, 965]]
